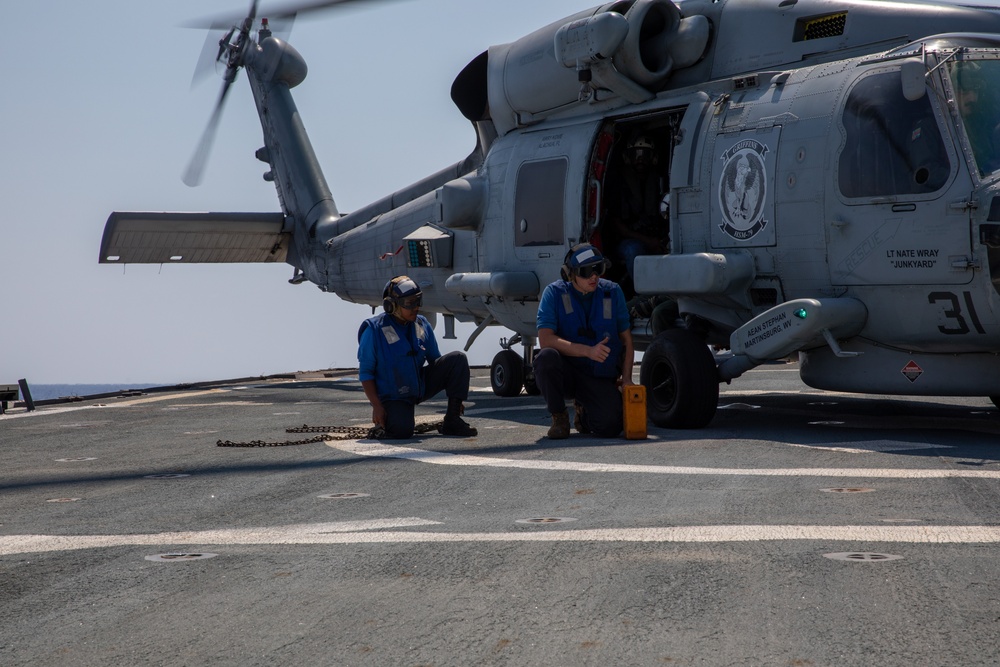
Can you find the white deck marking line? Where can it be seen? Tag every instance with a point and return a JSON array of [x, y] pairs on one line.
[[805, 391], [170, 396], [219, 403], [43, 411], [881, 446], [306, 533], [379, 449], [317, 534], [514, 408]]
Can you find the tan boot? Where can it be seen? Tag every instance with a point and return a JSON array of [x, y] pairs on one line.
[[560, 426]]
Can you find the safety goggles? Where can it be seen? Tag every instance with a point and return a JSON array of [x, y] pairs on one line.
[[591, 270], [411, 302]]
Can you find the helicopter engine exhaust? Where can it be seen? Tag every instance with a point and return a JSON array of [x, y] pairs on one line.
[[631, 46]]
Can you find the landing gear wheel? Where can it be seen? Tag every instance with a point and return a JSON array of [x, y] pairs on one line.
[[507, 373], [681, 380]]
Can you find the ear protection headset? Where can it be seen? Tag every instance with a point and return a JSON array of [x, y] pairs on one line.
[[582, 254], [565, 272], [395, 290], [388, 302]]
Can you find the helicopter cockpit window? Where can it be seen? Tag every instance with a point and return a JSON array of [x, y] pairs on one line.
[[894, 145], [538, 203], [977, 98]]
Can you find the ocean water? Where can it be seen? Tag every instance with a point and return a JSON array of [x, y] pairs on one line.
[[42, 392]]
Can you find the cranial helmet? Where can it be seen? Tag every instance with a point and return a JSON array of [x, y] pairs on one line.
[[401, 292], [583, 259], [641, 151]]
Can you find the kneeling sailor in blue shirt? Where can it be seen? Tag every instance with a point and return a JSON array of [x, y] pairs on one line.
[[400, 365], [586, 346]]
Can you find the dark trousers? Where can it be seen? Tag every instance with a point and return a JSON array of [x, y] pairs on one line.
[[449, 372], [558, 379]]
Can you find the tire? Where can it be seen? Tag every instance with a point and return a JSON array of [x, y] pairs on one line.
[[507, 373], [681, 380]]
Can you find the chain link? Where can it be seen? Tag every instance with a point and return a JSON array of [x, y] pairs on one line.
[[344, 433], [352, 431], [261, 443]]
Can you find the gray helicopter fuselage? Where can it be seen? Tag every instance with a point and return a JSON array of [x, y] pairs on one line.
[[830, 193], [907, 247]]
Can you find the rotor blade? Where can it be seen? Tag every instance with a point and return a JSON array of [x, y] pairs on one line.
[[306, 7], [193, 174], [209, 57], [282, 27], [282, 11]]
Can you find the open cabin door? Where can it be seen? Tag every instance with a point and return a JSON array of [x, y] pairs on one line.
[[627, 207]]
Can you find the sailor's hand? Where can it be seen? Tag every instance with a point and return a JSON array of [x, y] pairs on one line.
[[600, 351], [378, 415]]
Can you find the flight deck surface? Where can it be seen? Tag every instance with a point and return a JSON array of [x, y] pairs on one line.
[[799, 528]]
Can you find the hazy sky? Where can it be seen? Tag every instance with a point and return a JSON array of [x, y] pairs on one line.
[[98, 114]]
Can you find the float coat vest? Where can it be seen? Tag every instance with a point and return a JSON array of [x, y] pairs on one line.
[[400, 353], [578, 325]]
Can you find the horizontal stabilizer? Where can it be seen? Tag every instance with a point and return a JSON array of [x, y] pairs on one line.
[[201, 238]]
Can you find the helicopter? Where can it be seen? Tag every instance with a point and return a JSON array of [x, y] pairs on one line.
[[832, 169]]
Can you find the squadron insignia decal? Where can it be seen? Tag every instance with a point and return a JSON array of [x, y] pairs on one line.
[[743, 189]]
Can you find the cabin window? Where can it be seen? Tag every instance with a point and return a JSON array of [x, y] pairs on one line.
[[894, 146], [538, 203]]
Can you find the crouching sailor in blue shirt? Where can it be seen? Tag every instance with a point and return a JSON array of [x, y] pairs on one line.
[[586, 346], [400, 365]]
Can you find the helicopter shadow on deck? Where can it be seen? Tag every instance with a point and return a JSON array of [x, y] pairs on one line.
[[907, 427]]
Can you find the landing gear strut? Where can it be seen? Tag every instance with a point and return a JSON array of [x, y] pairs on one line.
[[511, 371]]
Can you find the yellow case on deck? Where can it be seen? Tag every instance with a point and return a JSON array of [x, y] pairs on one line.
[[634, 411]]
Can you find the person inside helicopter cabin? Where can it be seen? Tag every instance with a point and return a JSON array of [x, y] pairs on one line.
[[640, 213], [638, 209], [978, 104], [400, 365], [586, 346]]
